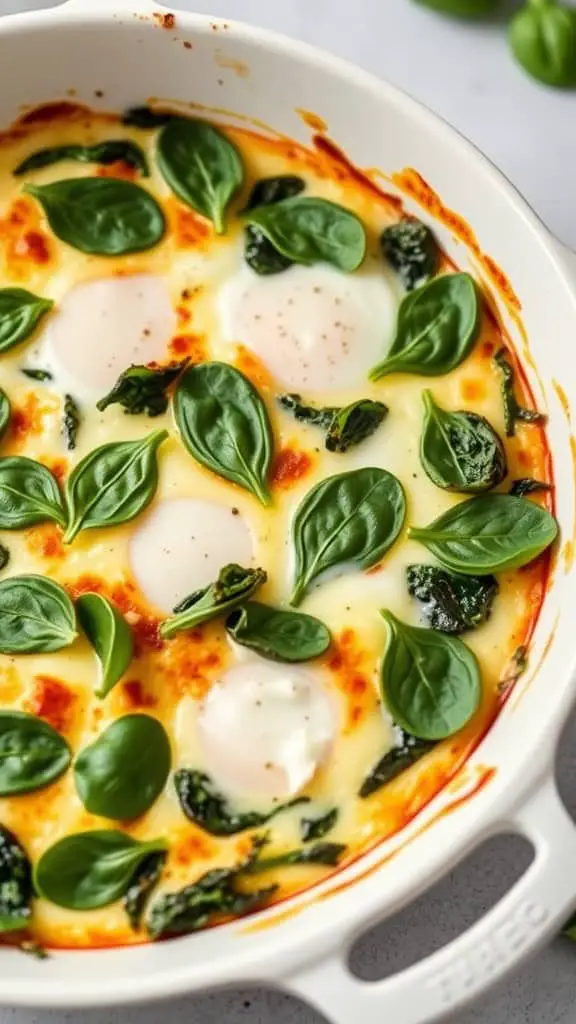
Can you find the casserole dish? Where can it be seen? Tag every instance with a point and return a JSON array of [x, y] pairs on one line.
[[128, 54]]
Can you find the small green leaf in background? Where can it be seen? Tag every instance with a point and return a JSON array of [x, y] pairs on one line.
[[277, 634], [543, 40], [32, 753], [36, 616], [309, 230], [20, 314], [110, 636], [233, 586], [109, 152], [460, 451], [15, 884], [204, 805], [29, 494]]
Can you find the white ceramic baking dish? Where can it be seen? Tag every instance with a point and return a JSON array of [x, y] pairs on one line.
[[122, 49]]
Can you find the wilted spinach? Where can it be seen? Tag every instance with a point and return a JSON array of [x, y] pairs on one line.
[[142, 884], [143, 389], [345, 426], [109, 152], [451, 603], [513, 411], [259, 252], [515, 668], [309, 230], [233, 586], [43, 376], [326, 854], [526, 485], [317, 828], [408, 750], [70, 422], [16, 890], [204, 804], [460, 451], [4, 557], [411, 249], [146, 117]]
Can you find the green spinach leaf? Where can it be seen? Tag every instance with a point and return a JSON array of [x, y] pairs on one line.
[[110, 636], [5, 412], [113, 484], [450, 602], [204, 805], [70, 422], [201, 166], [91, 869], [526, 485], [233, 586], [20, 314], [430, 682], [488, 534], [35, 373], [407, 752], [15, 884], [4, 557], [142, 884], [543, 39], [259, 253], [513, 411], [436, 330], [460, 451], [109, 152], [124, 771], [308, 230], [317, 828], [326, 854], [36, 616], [308, 413], [349, 518], [277, 634], [411, 249], [143, 389], [225, 425], [345, 426], [32, 753], [146, 117], [101, 216], [29, 494]]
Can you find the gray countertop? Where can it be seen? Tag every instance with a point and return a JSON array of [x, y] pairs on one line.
[[465, 73]]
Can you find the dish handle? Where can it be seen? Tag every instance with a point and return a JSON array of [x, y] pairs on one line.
[[443, 983]]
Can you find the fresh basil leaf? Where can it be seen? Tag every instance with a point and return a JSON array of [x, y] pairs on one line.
[[233, 586], [4, 557], [70, 422], [5, 412], [29, 494], [326, 854], [460, 451], [110, 636], [526, 485], [36, 616], [91, 869], [225, 425], [109, 152], [277, 634], [542, 38], [201, 166], [437, 328], [32, 753], [112, 484], [35, 373], [124, 771], [308, 413], [450, 602], [259, 253], [101, 216], [20, 314], [15, 884], [143, 389], [430, 682], [214, 895], [317, 828], [142, 884], [145, 117], [204, 805], [349, 518], [513, 411], [410, 248], [407, 752], [488, 534], [309, 230]]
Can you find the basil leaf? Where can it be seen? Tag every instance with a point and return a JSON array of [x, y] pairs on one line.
[[141, 389], [91, 869], [214, 895], [327, 854], [36, 616], [410, 248], [513, 411], [233, 586], [20, 314], [278, 635], [225, 426], [309, 230], [460, 451], [145, 117], [542, 37], [110, 636], [109, 152], [408, 751], [70, 422], [32, 753], [15, 884], [451, 603], [101, 216], [124, 771], [430, 681], [35, 373], [29, 494], [205, 806], [4, 557], [350, 518], [259, 253], [526, 485], [201, 166], [112, 484], [437, 328], [5, 412], [488, 534], [317, 828], [142, 884]]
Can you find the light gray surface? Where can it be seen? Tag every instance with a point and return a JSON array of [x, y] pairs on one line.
[[465, 73]]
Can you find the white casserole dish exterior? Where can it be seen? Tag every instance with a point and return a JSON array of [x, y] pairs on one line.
[[119, 47]]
